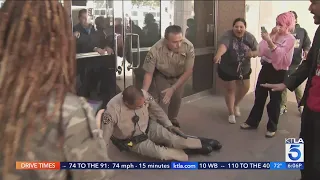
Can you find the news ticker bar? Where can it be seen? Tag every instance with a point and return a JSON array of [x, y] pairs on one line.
[[161, 165]]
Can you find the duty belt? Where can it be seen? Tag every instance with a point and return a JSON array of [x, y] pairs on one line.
[[135, 140], [165, 76], [126, 144]]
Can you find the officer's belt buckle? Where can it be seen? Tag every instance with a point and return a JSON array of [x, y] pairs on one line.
[[130, 144], [137, 139]]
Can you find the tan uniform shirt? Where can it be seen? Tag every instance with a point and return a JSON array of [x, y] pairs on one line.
[[117, 119], [167, 62]]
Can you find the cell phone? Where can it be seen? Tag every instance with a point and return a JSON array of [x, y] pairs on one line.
[[263, 29]]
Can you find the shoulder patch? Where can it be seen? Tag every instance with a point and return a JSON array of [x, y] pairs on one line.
[[148, 57], [106, 118]]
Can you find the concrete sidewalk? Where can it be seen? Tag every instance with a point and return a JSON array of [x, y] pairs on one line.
[[207, 117]]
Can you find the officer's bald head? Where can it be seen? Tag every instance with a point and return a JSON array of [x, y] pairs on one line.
[[174, 37], [133, 97]]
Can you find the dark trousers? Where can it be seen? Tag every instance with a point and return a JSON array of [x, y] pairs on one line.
[[81, 88], [310, 133], [107, 79], [100, 80], [267, 75]]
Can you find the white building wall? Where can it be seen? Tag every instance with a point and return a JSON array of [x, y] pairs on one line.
[[264, 13], [305, 18]]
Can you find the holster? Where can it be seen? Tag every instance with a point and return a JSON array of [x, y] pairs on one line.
[[126, 144], [119, 144]]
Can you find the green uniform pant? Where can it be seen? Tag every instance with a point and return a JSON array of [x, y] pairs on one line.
[[298, 91], [160, 83]]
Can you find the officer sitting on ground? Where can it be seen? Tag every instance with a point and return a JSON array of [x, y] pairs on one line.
[[130, 120]]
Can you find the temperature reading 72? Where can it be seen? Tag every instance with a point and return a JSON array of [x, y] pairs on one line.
[[277, 165]]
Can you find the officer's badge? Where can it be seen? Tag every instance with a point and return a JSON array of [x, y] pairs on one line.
[[106, 118], [150, 98]]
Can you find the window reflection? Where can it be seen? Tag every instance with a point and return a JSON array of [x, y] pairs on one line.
[[204, 20], [92, 28], [103, 21], [195, 17], [151, 30], [142, 17], [145, 18], [1, 3], [191, 30]]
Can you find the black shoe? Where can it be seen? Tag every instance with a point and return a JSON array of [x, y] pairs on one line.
[[206, 149], [216, 145]]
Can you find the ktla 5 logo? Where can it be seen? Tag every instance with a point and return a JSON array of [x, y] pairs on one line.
[[294, 150]]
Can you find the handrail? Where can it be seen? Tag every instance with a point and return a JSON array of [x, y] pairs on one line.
[[138, 51], [91, 54], [198, 52]]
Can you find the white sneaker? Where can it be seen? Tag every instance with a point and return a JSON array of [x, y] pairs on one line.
[[232, 119], [270, 134], [237, 111], [283, 110]]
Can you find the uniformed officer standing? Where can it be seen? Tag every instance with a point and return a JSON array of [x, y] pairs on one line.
[[168, 65], [130, 122]]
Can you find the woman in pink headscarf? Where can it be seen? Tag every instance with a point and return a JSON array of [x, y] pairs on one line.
[[276, 51]]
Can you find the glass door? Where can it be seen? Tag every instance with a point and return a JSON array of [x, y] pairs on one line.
[[140, 20], [127, 40], [113, 38], [97, 49]]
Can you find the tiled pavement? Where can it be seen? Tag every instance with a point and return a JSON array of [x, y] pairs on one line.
[[207, 117]]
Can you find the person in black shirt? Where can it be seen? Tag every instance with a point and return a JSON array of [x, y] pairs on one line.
[[85, 43], [301, 49], [101, 37], [310, 124], [151, 31], [191, 31], [83, 31]]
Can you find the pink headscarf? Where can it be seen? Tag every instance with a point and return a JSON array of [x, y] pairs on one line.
[[287, 19]]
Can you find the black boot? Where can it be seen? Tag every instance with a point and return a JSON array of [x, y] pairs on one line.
[[206, 149], [216, 145]]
